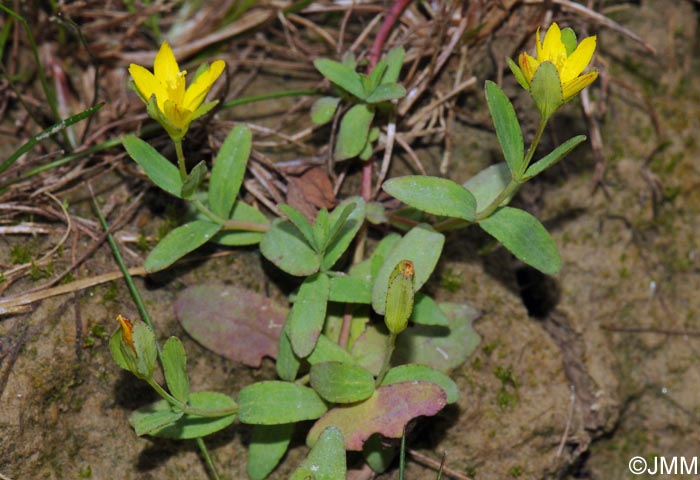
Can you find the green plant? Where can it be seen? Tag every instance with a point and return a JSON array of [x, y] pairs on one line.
[[357, 379]]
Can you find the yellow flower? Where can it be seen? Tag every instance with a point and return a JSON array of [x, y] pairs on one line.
[[559, 48], [170, 103]]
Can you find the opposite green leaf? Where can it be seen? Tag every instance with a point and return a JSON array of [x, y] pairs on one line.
[[554, 156], [378, 455], [180, 242], [174, 361], [326, 461], [148, 422], [488, 184], [308, 314], [192, 426], [299, 220], [350, 290], [287, 248], [157, 167], [340, 382], [228, 170], [287, 363], [375, 76], [345, 221], [275, 402], [386, 91], [329, 351], [525, 237], [394, 61], [353, 132], [435, 195], [267, 447], [508, 131], [427, 312], [323, 109], [342, 75], [321, 229]]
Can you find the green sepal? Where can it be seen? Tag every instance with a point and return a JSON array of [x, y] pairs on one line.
[[174, 361], [518, 74], [546, 90]]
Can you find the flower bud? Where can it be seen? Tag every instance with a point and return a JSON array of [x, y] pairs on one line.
[[399, 297]]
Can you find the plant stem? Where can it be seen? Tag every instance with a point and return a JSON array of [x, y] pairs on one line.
[[533, 147], [229, 224], [189, 409], [387, 358], [135, 295], [508, 192], [207, 458], [180, 159]]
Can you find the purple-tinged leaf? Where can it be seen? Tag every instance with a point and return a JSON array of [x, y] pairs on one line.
[[236, 323], [386, 412]]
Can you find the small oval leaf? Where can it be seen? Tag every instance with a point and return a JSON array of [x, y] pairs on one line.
[[179, 242], [323, 109], [228, 170], [275, 402], [554, 156], [157, 167], [340, 382], [353, 131], [525, 237], [284, 246], [268, 445], [192, 426], [508, 132], [435, 195], [326, 461], [342, 75], [308, 314]]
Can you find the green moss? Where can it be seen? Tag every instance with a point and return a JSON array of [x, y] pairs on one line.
[[507, 397], [20, 254], [516, 471], [38, 272]]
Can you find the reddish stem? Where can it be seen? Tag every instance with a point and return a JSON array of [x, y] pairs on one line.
[[375, 52], [391, 17]]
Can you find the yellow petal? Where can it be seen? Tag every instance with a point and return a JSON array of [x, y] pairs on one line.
[[571, 88], [538, 44], [127, 331], [528, 65], [197, 92], [165, 67], [552, 46], [147, 84], [179, 117], [578, 60]]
